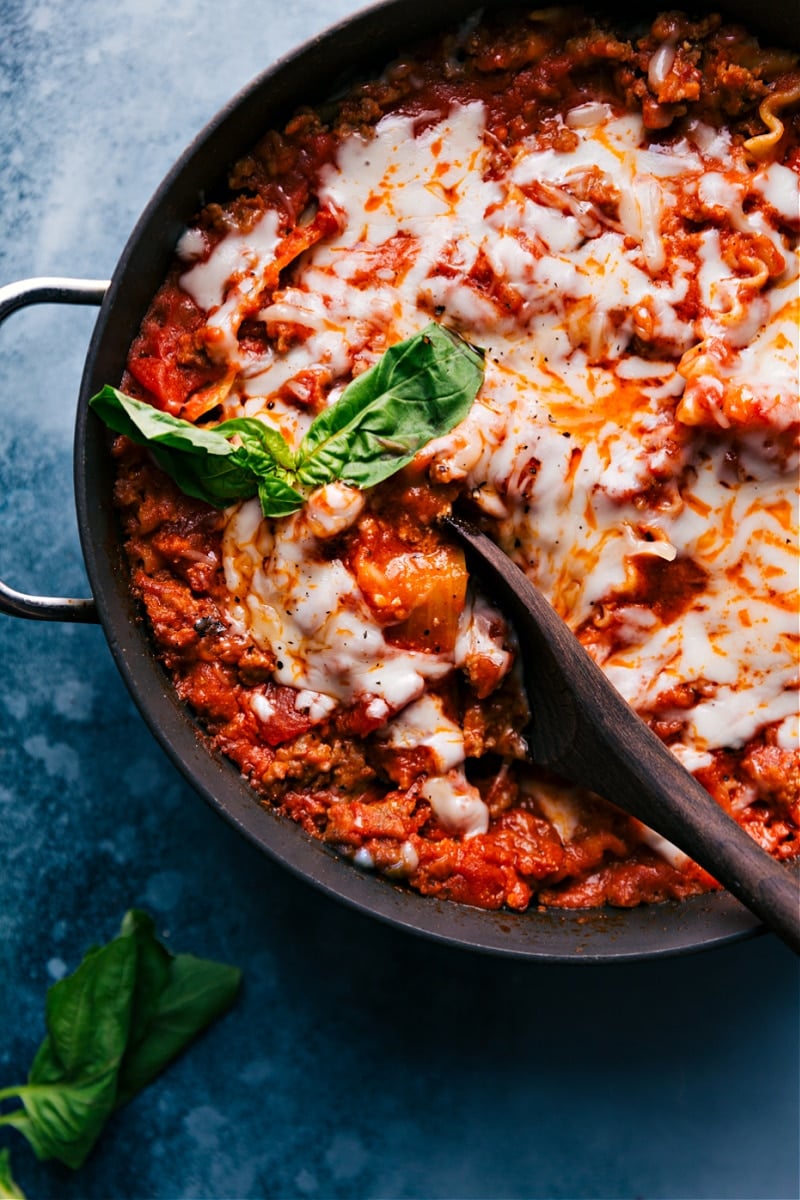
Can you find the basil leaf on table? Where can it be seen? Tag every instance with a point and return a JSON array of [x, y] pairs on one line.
[[72, 1083], [9, 1190], [152, 972], [112, 1026], [176, 998], [419, 390]]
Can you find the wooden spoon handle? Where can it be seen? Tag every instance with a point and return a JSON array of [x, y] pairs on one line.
[[624, 761], [583, 729]]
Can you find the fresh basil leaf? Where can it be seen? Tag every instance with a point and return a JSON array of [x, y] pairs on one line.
[[217, 480], [9, 1190], [112, 1025], [268, 455], [417, 391], [173, 1003], [196, 992], [88, 1012], [152, 972], [202, 462], [278, 498], [146, 425], [72, 1083], [64, 1120], [257, 438]]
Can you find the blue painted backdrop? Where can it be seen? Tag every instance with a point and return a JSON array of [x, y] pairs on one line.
[[360, 1062]]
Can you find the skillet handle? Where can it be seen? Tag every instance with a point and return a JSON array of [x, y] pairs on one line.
[[47, 290]]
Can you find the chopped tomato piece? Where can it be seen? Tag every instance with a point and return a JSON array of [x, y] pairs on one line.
[[165, 358]]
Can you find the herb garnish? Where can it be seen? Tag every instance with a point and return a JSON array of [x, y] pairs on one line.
[[419, 390], [112, 1026], [9, 1190]]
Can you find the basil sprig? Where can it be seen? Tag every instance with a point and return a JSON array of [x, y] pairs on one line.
[[9, 1190], [419, 390], [112, 1026]]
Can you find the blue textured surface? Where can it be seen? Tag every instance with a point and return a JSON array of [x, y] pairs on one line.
[[360, 1062]]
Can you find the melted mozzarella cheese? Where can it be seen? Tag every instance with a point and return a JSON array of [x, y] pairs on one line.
[[424, 723], [571, 428], [224, 282], [291, 598], [309, 611], [740, 637], [778, 186], [478, 644], [457, 804]]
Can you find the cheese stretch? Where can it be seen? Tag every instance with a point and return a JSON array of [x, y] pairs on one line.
[[641, 377]]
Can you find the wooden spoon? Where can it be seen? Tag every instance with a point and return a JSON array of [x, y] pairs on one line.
[[584, 730]]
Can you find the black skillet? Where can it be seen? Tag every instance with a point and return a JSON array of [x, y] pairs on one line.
[[356, 47]]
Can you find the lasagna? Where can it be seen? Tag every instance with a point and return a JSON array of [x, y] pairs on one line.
[[612, 217]]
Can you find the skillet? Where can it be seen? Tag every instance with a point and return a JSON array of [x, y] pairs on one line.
[[357, 46]]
